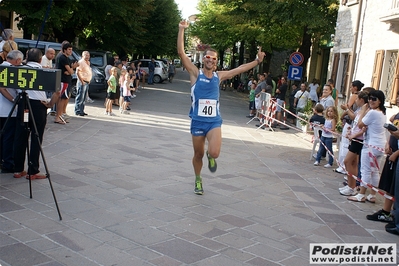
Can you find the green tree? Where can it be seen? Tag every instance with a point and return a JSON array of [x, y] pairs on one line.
[[273, 24], [119, 26]]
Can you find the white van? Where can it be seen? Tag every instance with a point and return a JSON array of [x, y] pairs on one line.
[[160, 72]]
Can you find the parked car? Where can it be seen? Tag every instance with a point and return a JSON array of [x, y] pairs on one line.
[[97, 82], [160, 72]]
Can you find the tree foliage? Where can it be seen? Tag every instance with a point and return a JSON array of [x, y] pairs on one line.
[[125, 26], [273, 24]]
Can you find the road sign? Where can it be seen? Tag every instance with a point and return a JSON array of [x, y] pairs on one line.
[[295, 72], [296, 59]]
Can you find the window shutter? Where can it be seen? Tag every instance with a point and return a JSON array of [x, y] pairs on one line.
[[377, 69], [347, 82], [335, 67], [395, 85]]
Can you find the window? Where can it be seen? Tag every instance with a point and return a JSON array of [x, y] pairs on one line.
[[386, 74]]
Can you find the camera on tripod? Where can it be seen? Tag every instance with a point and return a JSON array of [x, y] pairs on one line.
[[27, 78]]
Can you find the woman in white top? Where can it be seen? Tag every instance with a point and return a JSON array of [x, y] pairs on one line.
[[326, 99], [313, 91], [373, 146]]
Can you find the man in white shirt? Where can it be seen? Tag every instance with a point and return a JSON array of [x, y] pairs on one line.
[[47, 62], [301, 98], [39, 105], [7, 96], [47, 59]]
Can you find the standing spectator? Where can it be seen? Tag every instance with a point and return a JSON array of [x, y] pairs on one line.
[[107, 70], [139, 75], [111, 91], [121, 81], [7, 96], [171, 71], [151, 69], [291, 100], [6, 35], [301, 98], [393, 228], [126, 92], [280, 95], [352, 107], [47, 58], [326, 99], [387, 179], [7, 47], [39, 105], [313, 87], [67, 67], [47, 62], [252, 109], [84, 73], [118, 66], [355, 136], [124, 62], [334, 91], [327, 136], [373, 118], [260, 87]]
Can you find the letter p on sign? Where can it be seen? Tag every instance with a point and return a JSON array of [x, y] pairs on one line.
[[295, 72]]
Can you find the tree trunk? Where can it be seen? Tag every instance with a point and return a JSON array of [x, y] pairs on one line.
[[305, 47], [221, 58], [241, 55], [233, 57]]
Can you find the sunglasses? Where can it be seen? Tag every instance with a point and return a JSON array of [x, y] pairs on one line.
[[210, 57], [373, 98]]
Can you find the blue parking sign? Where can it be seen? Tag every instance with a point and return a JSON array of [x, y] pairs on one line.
[[295, 72]]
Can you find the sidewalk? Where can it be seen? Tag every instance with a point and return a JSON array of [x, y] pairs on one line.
[[125, 185]]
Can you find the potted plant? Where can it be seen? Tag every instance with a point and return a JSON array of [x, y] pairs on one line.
[[306, 113]]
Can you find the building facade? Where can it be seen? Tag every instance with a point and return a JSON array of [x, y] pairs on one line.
[[366, 44]]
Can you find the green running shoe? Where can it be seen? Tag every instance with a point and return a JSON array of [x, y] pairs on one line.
[[198, 188], [212, 165]]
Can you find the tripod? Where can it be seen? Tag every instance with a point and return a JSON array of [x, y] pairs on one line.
[[24, 105]]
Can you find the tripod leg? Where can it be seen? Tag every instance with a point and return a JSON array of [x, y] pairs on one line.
[[36, 142]]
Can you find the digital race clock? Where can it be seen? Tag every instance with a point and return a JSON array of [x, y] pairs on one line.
[[27, 78]]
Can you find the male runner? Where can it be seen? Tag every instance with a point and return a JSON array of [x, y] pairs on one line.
[[206, 121]]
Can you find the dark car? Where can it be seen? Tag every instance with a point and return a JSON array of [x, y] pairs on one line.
[[97, 82]]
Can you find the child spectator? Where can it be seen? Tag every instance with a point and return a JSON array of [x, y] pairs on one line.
[[121, 82], [252, 109], [327, 136], [126, 93], [111, 91], [317, 117]]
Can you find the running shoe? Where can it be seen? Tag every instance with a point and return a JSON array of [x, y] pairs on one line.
[[212, 165], [380, 216], [198, 188]]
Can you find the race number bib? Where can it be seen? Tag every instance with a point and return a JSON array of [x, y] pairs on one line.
[[207, 108]]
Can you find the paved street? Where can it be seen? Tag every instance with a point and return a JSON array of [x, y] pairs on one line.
[[125, 185]]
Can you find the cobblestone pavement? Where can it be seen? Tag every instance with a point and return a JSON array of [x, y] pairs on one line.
[[125, 185]]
